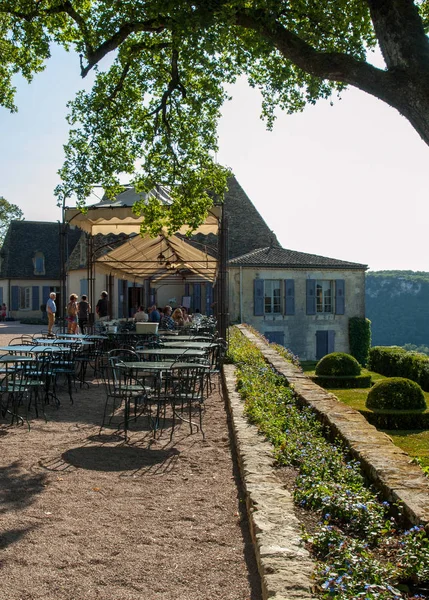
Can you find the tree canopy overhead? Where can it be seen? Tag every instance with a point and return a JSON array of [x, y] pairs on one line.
[[153, 113], [8, 212]]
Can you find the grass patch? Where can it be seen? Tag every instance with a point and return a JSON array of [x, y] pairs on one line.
[[414, 442]]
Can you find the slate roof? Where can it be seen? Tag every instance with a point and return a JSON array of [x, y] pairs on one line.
[[102, 245], [273, 256], [129, 197], [247, 230], [25, 238]]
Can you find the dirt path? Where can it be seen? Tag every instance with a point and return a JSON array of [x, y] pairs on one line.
[[85, 517]]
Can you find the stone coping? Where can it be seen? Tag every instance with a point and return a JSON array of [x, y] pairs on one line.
[[386, 466], [284, 565]]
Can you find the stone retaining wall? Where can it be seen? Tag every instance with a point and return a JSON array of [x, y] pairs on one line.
[[284, 565], [385, 465]]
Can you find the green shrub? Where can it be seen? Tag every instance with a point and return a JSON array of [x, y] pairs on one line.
[[342, 382], [360, 339], [337, 364], [396, 393], [393, 361]]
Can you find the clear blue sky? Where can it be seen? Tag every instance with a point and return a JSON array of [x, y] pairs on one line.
[[348, 181]]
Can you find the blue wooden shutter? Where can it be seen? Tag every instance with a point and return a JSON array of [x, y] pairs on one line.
[[1, 295], [186, 289], [331, 341], [84, 287], [289, 296], [197, 296], [35, 297], [15, 297], [339, 296], [120, 302], [275, 337], [152, 292], [311, 296], [258, 297], [209, 298], [46, 290]]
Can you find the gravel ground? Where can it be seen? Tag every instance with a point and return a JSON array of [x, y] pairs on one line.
[[85, 516]]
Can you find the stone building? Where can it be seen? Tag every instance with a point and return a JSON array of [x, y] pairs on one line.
[[301, 301]]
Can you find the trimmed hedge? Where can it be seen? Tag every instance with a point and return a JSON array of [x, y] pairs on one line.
[[342, 382], [393, 361], [338, 364], [360, 339], [396, 393], [397, 419]]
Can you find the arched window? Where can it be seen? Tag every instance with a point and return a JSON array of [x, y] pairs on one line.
[[39, 263]]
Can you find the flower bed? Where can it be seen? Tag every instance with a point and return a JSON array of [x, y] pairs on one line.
[[363, 552]]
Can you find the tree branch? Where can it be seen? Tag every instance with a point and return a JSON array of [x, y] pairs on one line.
[[333, 66], [94, 56]]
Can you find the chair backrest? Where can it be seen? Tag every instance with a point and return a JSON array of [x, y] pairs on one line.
[[124, 354]]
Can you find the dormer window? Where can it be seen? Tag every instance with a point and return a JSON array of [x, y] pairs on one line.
[[39, 263]]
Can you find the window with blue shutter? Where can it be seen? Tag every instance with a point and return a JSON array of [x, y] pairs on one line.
[[84, 287], [46, 290], [209, 298], [197, 296], [258, 297], [289, 296], [325, 343], [311, 296], [275, 337], [152, 293], [15, 297], [1, 295], [35, 297], [339, 296]]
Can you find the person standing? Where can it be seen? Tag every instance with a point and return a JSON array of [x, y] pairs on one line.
[[84, 308], [51, 309], [72, 310], [102, 308]]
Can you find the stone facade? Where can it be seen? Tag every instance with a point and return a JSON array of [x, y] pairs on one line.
[[298, 331]]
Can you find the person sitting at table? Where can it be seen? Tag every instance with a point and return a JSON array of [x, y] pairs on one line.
[[177, 317], [72, 311], [154, 316], [167, 322], [141, 315], [186, 316]]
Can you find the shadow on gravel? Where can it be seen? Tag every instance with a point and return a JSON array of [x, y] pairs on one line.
[[117, 458], [18, 489]]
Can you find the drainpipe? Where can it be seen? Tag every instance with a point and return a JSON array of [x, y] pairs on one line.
[[241, 294]]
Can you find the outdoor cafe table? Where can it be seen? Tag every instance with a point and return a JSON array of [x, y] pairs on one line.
[[184, 338], [27, 349], [65, 342], [188, 344], [164, 352], [161, 368], [81, 336]]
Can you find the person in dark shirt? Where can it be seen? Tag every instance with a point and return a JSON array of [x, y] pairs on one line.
[[84, 309], [102, 307], [154, 315]]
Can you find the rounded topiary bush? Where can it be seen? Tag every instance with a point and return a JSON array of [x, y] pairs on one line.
[[396, 393], [338, 364]]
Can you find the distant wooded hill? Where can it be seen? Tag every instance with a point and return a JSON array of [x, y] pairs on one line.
[[397, 304]]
